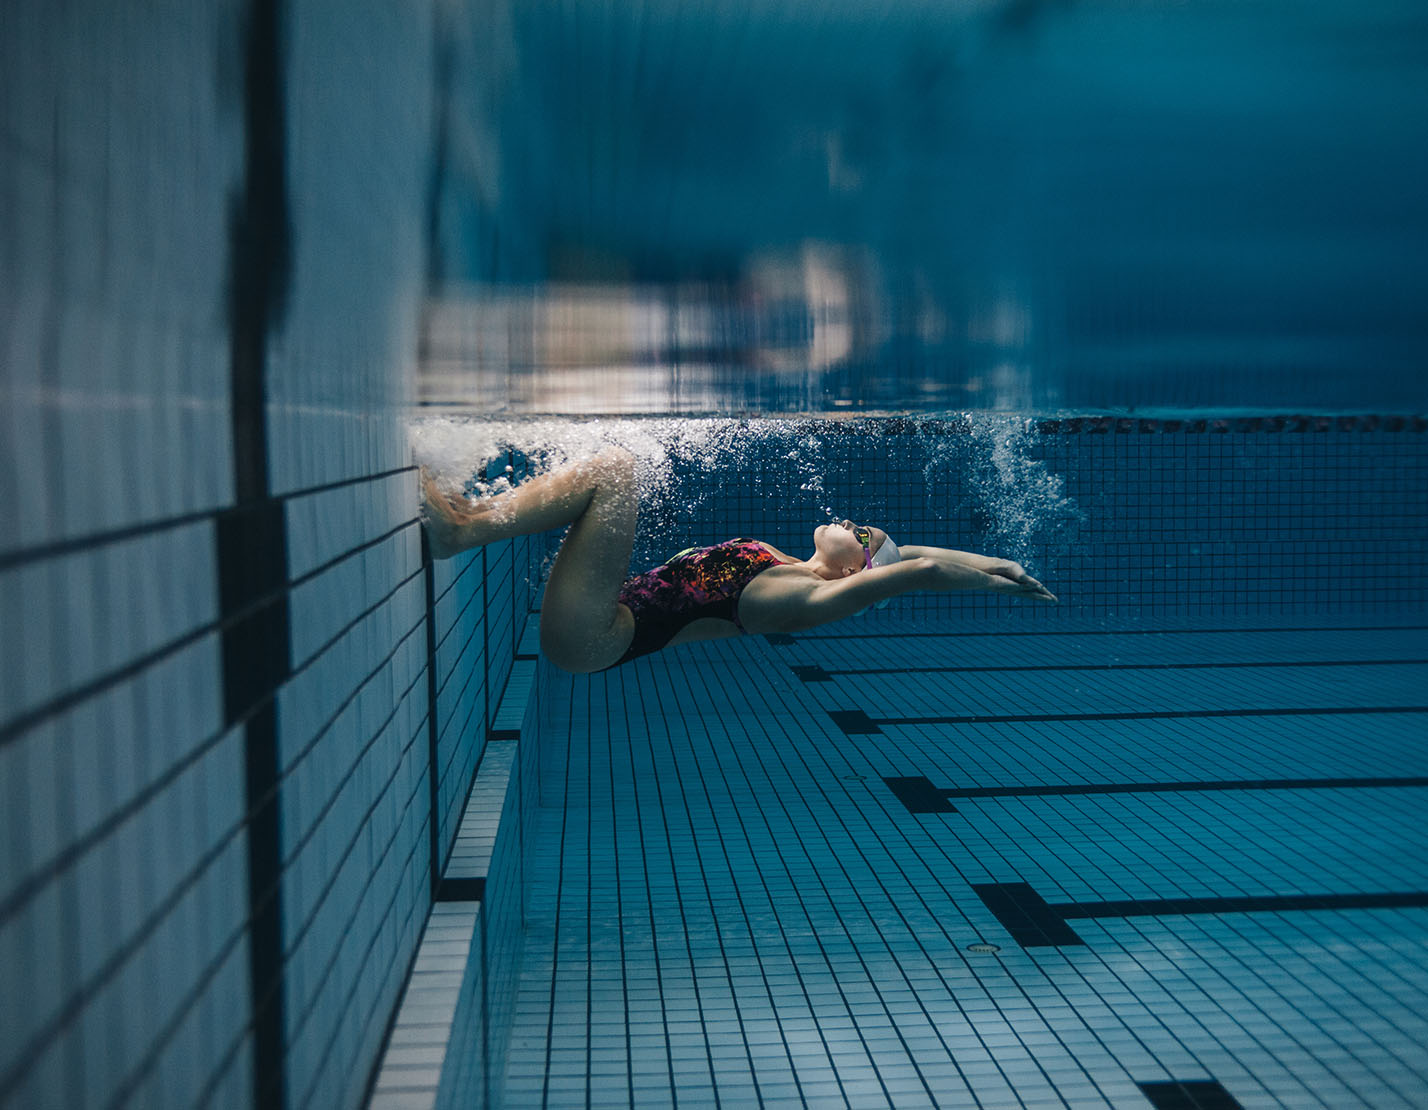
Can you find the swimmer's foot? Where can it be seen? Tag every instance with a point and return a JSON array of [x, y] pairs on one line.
[[451, 523]]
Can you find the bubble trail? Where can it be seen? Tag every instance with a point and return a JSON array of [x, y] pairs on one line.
[[688, 469]]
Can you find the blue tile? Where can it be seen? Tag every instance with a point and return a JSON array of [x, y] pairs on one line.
[[823, 889]]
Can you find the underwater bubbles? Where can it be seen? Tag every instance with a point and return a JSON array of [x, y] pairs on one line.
[[681, 464], [1022, 502], [693, 473]]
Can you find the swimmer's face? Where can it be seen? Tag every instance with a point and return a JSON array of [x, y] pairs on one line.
[[838, 544]]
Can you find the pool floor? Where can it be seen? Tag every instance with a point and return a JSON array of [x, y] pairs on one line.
[[996, 865]]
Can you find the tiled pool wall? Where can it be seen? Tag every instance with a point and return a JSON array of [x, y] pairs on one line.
[[224, 798], [239, 716], [1125, 519], [457, 1052], [486, 598]]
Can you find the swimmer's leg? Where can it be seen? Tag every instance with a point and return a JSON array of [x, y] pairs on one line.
[[456, 524], [583, 626], [453, 524]]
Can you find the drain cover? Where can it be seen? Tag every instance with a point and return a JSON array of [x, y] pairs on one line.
[[984, 948]]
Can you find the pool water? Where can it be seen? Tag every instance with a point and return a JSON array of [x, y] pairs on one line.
[[293, 817], [762, 871], [1159, 844]]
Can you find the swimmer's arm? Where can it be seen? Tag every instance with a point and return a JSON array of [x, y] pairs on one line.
[[1001, 571], [792, 603], [983, 563], [795, 604]]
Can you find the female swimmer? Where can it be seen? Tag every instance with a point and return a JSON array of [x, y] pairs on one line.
[[595, 616]]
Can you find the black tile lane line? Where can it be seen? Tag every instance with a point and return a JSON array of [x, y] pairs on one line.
[[819, 674], [1189, 1094], [785, 638], [1035, 923], [461, 890], [854, 722], [251, 547], [1026, 915], [919, 795]]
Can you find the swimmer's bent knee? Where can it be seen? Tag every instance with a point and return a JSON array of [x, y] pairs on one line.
[[615, 462], [582, 650], [569, 656]]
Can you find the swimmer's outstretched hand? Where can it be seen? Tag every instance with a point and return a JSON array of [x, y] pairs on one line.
[[961, 570], [1009, 577]]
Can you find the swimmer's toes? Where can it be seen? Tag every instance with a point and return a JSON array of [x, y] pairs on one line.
[[433, 500], [442, 537], [441, 505], [437, 518]]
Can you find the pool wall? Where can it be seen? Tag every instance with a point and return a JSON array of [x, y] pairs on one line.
[[225, 798], [239, 713]]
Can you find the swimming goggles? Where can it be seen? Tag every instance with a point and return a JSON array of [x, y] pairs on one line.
[[864, 537]]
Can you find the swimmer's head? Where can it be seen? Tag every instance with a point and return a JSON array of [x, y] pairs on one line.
[[885, 555], [849, 548]]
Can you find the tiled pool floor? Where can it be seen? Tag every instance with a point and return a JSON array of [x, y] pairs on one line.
[[1172, 869]]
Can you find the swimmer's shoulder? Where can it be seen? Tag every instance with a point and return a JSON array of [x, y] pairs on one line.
[[787, 559], [776, 599], [781, 581]]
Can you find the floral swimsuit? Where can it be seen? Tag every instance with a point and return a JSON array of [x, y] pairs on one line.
[[698, 582]]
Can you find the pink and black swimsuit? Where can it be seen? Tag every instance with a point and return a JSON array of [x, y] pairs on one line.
[[698, 582]]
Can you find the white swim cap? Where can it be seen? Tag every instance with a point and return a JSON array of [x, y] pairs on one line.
[[885, 556]]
